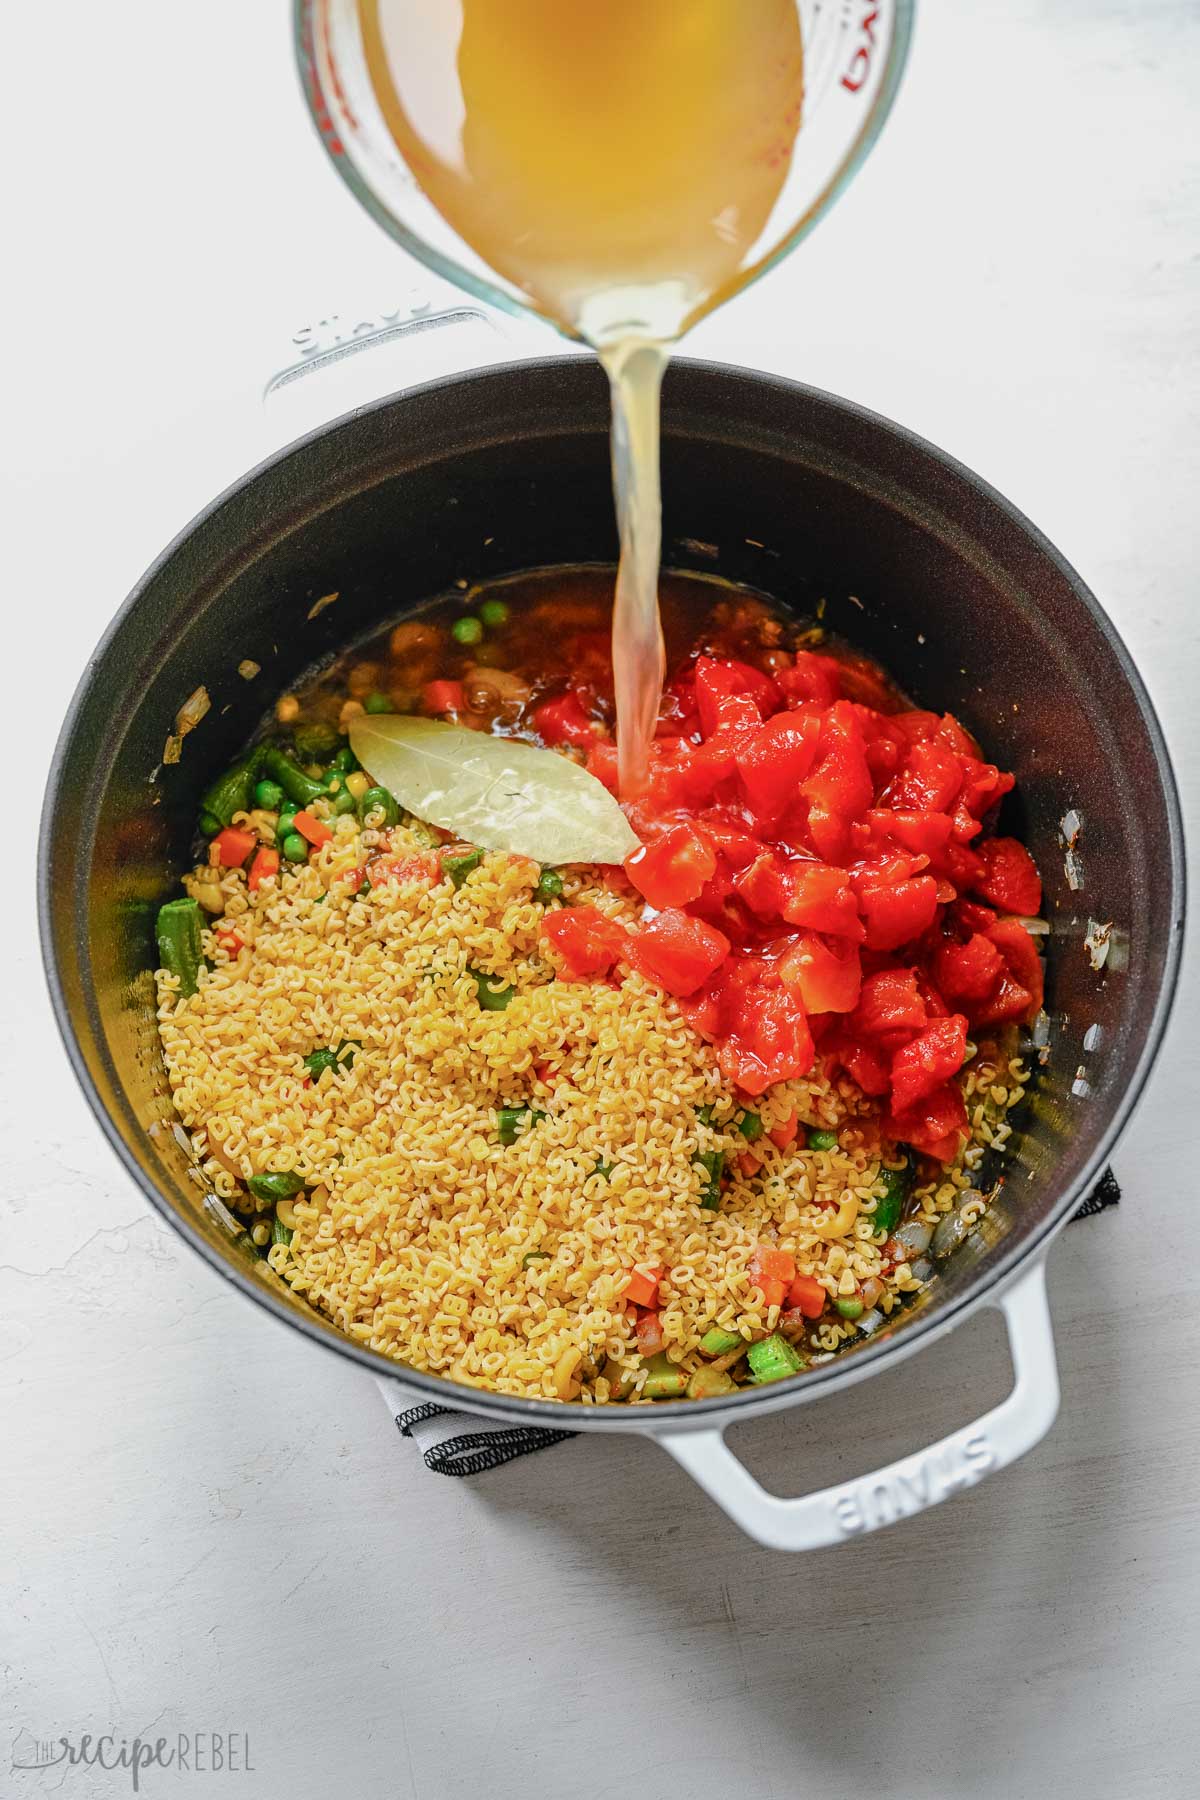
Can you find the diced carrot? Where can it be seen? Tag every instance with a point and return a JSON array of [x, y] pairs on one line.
[[749, 1163], [265, 864], [784, 1133], [443, 696], [232, 847], [546, 1072], [772, 1271], [230, 942], [808, 1295], [642, 1289], [315, 830]]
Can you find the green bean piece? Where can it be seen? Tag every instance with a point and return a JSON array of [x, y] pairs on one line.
[[280, 1233], [822, 1140], [621, 1383], [300, 788], [317, 1061], [459, 867], [850, 1308], [345, 761], [230, 793], [706, 1114], [493, 613], [467, 631], [707, 1384], [604, 1168], [209, 824], [315, 743], [280, 1185], [750, 1126], [534, 1256], [510, 1119], [549, 886], [294, 847], [378, 703], [713, 1164], [718, 1342], [491, 998], [772, 1359], [377, 799], [664, 1380], [177, 930], [269, 795], [896, 1183]]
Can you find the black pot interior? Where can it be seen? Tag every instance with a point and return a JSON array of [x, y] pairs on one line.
[[765, 483]]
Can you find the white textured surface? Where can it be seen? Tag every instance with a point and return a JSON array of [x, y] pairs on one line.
[[205, 1523]]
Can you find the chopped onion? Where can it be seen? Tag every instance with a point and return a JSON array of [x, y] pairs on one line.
[[952, 1231], [915, 1236], [870, 1321], [921, 1271]]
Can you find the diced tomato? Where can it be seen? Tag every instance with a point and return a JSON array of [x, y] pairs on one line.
[[808, 1295], [895, 915], [565, 721], [642, 1285], [933, 1056], [232, 847], [771, 1042], [230, 941], [385, 871], [968, 971], [829, 833], [971, 915], [602, 763], [719, 679], [677, 952], [828, 977], [588, 942], [315, 830], [929, 781], [951, 732], [1018, 998], [819, 895], [917, 726], [841, 783], [787, 1130], [1010, 879], [772, 1272], [812, 678], [936, 1126], [674, 868], [443, 697], [983, 786], [925, 832], [889, 1001], [649, 1332], [264, 866], [775, 760]]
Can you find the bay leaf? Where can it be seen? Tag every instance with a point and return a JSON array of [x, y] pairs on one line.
[[495, 792]]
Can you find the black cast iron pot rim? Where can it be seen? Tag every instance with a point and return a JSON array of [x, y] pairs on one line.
[[843, 1370]]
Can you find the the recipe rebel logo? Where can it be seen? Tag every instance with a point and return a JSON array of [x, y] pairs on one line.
[[185, 1752]]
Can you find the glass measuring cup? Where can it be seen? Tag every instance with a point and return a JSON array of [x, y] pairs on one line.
[[854, 54]]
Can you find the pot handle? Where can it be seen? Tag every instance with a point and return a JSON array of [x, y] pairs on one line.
[[913, 1483]]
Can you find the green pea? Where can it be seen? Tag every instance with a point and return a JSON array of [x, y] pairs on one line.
[[268, 794], [849, 1308], [491, 997], [209, 824], [344, 803], [466, 631], [332, 781], [549, 886], [493, 613], [377, 799], [822, 1140], [294, 847], [750, 1126], [345, 761], [284, 823], [460, 866], [377, 703]]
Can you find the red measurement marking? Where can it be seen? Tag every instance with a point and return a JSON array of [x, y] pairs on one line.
[[860, 62]]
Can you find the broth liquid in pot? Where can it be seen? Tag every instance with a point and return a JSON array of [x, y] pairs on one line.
[[616, 161]]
